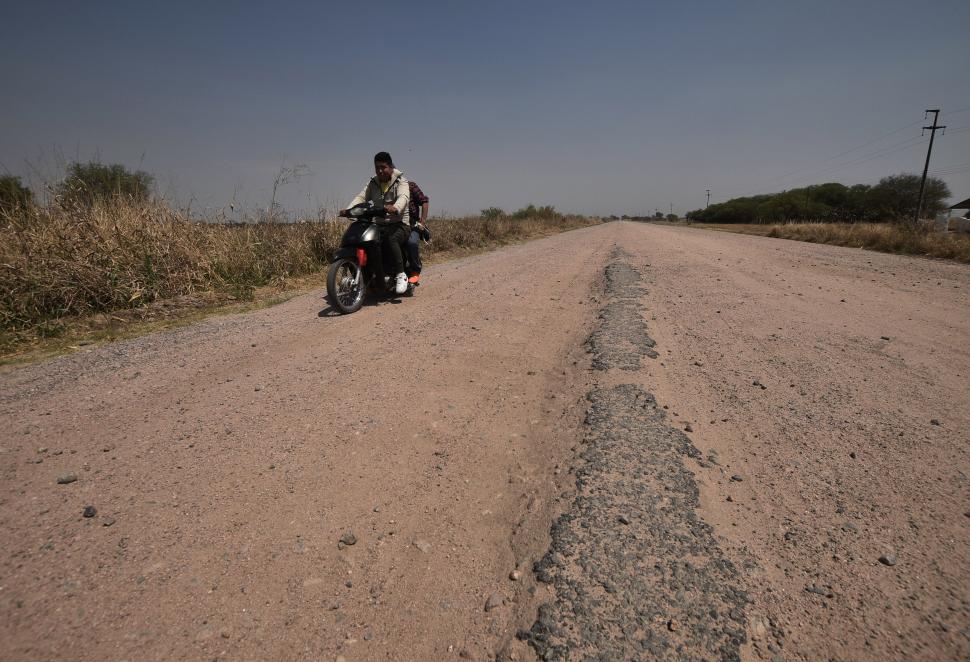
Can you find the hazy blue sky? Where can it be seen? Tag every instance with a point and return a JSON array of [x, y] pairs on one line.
[[595, 107]]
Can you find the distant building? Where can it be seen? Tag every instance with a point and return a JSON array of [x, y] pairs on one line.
[[960, 223]]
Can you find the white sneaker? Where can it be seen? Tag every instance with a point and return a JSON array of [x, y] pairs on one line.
[[401, 284]]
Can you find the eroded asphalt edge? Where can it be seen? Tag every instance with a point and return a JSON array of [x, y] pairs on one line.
[[636, 573]]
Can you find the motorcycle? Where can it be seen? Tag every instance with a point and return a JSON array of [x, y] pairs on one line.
[[351, 271]]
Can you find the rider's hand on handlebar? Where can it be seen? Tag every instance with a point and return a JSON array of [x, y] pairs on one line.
[[343, 212], [390, 209]]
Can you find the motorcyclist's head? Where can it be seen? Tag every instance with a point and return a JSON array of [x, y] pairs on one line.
[[383, 166]]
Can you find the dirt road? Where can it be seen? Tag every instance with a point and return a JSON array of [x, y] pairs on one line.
[[752, 425]]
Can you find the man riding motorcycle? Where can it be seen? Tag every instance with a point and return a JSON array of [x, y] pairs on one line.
[[389, 189]]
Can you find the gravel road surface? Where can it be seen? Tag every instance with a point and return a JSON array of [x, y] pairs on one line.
[[623, 442]]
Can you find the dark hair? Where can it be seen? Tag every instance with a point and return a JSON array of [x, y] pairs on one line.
[[383, 157]]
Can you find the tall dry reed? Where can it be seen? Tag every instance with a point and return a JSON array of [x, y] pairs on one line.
[[58, 261]]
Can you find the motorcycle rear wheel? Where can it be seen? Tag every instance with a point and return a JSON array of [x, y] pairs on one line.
[[345, 285]]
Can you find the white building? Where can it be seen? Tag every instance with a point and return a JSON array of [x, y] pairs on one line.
[[959, 222]]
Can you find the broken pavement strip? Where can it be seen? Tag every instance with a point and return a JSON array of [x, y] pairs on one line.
[[637, 573]]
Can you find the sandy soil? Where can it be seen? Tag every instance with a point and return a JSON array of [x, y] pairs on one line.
[[226, 461], [834, 383]]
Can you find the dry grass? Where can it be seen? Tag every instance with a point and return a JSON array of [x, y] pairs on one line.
[[64, 267], [471, 234], [884, 237]]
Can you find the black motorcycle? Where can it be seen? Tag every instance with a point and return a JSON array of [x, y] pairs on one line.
[[351, 271]]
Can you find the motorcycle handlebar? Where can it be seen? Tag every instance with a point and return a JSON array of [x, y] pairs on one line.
[[363, 211]]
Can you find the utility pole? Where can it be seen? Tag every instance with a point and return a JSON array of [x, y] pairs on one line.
[[926, 166], [708, 199], [671, 209]]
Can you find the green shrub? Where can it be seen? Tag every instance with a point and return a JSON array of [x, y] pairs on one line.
[[13, 194], [87, 183], [893, 198]]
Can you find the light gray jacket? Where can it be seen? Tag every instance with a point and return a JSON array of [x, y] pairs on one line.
[[398, 194]]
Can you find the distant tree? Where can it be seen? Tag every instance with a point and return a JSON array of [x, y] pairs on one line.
[[855, 203], [491, 213], [13, 194], [895, 197], [831, 202], [658, 215], [87, 182], [524, 212], [546, 212], [672, 217]]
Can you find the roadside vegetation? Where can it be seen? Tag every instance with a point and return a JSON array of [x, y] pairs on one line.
[[878, 217], [883, 237], [892, 199], [104, 248]]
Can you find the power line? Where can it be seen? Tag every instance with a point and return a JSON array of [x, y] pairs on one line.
[[836, 156], [819, 169], [891, 133], [886, 151], [826, 171], [956, 170], [952, 165]]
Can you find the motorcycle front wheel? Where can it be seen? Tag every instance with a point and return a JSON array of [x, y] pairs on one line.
[[345, 285]]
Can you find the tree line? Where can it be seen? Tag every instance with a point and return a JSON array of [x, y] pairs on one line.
[[547, 212], [82, 185], [892, 199]]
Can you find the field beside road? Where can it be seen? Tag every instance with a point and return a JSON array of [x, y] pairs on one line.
[[71, 274], [627, 439], [884, 237]]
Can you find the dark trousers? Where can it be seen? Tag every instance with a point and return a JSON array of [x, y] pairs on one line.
[[392, 255], [414, 251]]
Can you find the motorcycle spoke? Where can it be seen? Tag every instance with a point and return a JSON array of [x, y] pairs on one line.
[[348, 290]]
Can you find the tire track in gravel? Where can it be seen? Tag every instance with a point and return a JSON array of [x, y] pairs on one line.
[[636, 573]]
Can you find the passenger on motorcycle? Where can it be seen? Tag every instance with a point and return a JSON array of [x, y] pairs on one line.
[[418, 210], [389, 189]]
